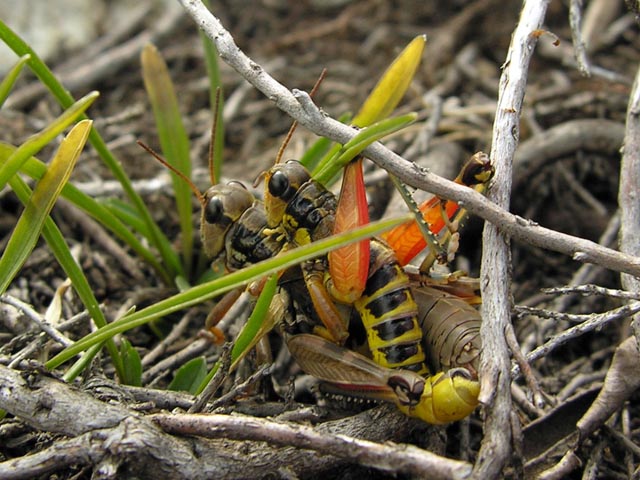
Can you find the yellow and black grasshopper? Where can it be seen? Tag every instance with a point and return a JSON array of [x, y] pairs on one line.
[[449, 329], [237, 226], [303, 211], [386, 309]]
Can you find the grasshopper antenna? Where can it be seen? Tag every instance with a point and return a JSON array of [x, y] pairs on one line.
[[159, 158], [212, 144], [294, 125], [212, 141]]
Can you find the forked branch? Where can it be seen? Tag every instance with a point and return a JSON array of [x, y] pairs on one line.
[[300, 107]]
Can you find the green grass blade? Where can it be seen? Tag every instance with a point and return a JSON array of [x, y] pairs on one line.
[[392, 86], [60, 250], [373, 133], [189, 376], [365, 137], [247, 337], [83, 362], [56, 242], [27, 230], [127, 214], [36, 142], [173, 139], [156, 237], [11, 77], [20, 48], [320, 148], [314, 154], [206, 291], [36, 169], [384, 97], [249, 334], [132, 364], [63, 97]]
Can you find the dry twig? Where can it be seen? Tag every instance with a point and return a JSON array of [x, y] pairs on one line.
[[113, 437], [495, 392], [628, 193], [588, 323], [301, 108], [388, 457]]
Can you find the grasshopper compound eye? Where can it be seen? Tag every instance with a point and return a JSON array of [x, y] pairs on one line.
[[213, 210], [461, 372], [279, 185], [408, 386], [286, 179]]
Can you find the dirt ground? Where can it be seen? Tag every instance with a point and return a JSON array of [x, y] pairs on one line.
[[570, 189]]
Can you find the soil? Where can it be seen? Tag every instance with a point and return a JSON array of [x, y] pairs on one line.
[[574, 192]]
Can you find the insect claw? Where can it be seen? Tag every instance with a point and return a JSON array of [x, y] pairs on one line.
[[213, 335]]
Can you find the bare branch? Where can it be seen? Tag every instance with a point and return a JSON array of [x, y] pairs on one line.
[[589, 323], [51, 405], [575, 17], [628, 192], [36, 318], [495, 393], [77, 451], [308, 115], [590, 289], [495, 268], [134, 445], [387, 457]]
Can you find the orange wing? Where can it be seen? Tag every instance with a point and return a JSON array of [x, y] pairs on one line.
[[408, 241], [349, 266]]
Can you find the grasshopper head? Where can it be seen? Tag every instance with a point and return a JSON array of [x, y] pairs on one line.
[[478, 170], [222, 206], [282, 182], [447, 397], [408, 387]]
